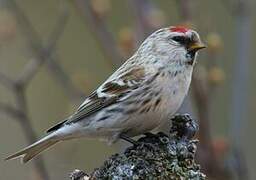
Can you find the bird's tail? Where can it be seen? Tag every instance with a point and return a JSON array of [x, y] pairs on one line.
[[34, 149]]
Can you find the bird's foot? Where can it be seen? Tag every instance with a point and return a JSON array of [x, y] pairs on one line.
[[140, 143], [128, 139], [149, 134]]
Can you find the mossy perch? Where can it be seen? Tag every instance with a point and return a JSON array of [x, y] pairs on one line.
[[155, 156]]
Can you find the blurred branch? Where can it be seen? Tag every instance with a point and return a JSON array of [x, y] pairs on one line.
[[228, 5], [28, 129], [240, 85], [100, 31], [185, 9], [59, 28], [201, 96], [29, 71], [142, 11], [9, 110], [202, 100], [241, 75], [6, 81], [44, 53], [21, 115]]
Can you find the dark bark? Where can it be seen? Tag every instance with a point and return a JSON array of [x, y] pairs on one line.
[[154, 156]]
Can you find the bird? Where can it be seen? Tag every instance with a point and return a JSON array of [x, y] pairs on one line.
[[138, 97]]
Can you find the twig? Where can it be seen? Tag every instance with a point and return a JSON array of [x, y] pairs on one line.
[[29, 71], [240, 84], [9, 110], [241, 74], [100, 31], [6, 81], [59, 28], [35, 44], [28, 129], [185, 9], [44, 53], [201, 97], [20, 114], [141, 11]]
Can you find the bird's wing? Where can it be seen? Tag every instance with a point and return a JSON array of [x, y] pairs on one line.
[[92, 104], [109, 93]]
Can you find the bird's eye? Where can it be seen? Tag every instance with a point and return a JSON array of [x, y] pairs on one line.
[[179, 39]]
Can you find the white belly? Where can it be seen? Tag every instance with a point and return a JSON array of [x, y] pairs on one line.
[[173, 91]]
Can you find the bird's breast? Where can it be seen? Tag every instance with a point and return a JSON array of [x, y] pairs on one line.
[[174, 89]]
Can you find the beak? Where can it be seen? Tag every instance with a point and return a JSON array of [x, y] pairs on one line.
[[196, 46]]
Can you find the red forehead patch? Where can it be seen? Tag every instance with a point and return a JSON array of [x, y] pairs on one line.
[[180, 29]]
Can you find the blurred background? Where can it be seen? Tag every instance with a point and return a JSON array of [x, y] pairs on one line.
[[54, 53]]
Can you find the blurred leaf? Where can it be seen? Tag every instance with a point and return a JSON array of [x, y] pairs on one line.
[[126, 40], [214, 42], [220, 147], [216, 76], [101, 7]]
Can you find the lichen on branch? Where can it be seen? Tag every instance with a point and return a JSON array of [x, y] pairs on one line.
[[155, 156]]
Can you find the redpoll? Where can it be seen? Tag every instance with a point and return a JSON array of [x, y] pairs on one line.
[[143, 93]]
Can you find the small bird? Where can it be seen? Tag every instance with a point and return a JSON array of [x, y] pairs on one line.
[[143, 93]]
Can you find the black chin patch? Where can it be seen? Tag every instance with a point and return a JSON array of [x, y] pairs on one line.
[[191, 57]]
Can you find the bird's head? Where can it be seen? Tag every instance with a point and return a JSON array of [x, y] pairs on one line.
[[175, 44]]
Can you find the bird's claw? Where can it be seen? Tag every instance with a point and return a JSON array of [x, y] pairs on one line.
[[128, 139], [149, 134]]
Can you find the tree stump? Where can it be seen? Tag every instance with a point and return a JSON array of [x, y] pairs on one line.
[[155, 156]]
